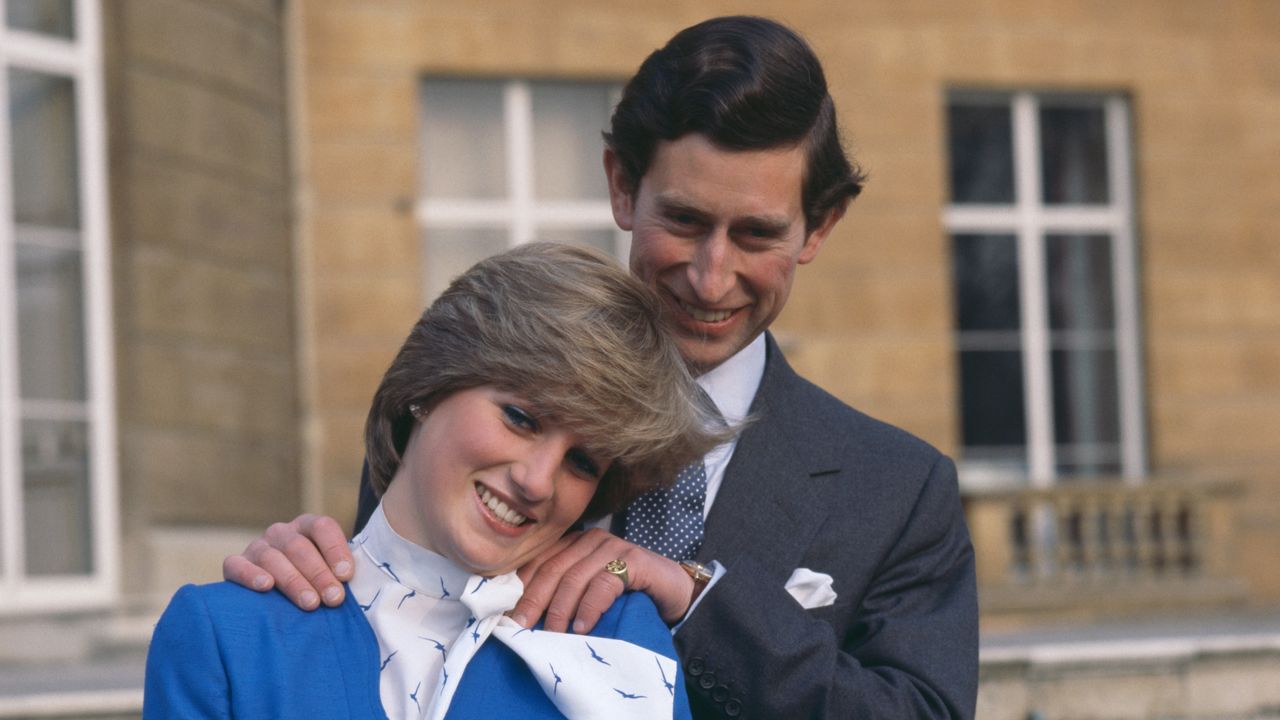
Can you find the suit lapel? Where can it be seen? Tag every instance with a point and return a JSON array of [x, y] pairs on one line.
[[770, 503]]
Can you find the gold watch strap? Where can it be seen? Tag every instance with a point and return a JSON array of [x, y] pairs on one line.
[[701, 575]]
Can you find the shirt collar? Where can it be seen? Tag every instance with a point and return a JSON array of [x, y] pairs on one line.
[[732, 384], [410, 565]]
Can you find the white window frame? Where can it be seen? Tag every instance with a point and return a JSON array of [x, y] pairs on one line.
[[520, 212], [79, 59], [1029, 220]]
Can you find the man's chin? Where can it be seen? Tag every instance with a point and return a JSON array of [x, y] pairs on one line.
[[703, 355]]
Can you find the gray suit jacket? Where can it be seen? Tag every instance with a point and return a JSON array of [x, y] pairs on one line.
[[816, 484]]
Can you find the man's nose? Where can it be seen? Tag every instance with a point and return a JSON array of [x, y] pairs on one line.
[[711, 272]]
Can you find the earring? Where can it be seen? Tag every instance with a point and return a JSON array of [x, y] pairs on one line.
[[417, 412]]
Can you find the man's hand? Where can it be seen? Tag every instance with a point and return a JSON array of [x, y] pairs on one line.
[[570, 584], [307, 559]]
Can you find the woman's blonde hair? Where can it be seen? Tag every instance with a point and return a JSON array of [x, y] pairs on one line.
[[571, 332]]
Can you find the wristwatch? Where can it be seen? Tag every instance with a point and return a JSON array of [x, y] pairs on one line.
[[701, 575]]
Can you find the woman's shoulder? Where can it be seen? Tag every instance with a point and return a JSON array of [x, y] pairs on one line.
[[633, 617], [225, 603]]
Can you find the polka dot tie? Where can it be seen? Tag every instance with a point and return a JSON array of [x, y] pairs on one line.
[[669, 521]]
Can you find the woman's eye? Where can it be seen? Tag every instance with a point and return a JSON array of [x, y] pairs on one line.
[[519, 418], [583, 463]]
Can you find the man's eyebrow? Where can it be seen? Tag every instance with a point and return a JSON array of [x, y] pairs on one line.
[[768, 223], [671, 202]]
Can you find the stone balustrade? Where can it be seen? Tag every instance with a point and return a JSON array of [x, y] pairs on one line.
[[1101, 546]]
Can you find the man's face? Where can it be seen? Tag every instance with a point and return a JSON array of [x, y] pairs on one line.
[[718, 234]]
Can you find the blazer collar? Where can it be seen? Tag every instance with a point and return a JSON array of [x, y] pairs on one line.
[[771, 501]]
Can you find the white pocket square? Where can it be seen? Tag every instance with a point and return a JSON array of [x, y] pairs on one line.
[[811, 589]]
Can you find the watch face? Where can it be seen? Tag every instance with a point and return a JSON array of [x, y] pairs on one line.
[[696, 570]]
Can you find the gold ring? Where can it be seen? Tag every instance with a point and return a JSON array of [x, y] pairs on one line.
[[618, 569]]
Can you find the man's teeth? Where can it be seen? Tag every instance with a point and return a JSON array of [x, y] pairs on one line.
[[499, 508], [705, 315]]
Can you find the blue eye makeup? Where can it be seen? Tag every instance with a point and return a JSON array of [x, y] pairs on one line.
[[518, 417], [583, 463]]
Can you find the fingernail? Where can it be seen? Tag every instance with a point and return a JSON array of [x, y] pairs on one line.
[[332, 595], [261, 582], [342, 568], [308, 599], [579, 627], [519, 618]]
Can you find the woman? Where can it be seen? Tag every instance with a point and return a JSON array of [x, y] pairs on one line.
[[538, 390]]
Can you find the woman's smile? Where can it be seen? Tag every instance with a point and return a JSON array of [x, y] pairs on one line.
[[489, 482]]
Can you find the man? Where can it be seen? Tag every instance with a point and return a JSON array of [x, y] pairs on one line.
[[842, 578]]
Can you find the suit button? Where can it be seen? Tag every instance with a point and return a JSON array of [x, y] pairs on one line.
[[707, 681], [733, 708], [720, 694], [695, 667]]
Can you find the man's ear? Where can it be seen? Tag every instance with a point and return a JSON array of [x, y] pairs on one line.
[[621, 193], [813, 241]]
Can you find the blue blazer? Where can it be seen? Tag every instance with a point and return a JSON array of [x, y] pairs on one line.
[[221, 651]]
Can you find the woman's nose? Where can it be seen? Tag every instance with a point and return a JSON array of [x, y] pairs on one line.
[[535, 472]]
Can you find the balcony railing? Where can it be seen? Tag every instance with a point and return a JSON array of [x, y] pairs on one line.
[[1103, 545]]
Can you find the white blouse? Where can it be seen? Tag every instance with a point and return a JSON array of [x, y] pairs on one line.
[[430, 617]]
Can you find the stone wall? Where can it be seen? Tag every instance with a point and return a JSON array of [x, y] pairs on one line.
[[1230, 679], [203, 272]]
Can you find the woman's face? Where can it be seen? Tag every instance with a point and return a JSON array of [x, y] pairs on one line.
[[488, 483]]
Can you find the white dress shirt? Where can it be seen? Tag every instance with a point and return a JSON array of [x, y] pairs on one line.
[[732, 386]]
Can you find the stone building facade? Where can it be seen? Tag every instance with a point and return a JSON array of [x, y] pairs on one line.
[[278, 220]]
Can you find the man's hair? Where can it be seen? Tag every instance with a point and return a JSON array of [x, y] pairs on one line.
[[569, 331], [747, 83]]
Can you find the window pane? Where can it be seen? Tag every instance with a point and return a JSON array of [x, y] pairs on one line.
[[43, 116], [1073, 143], [985, 277], [450, 251], [55, 507], [991, 400], [1087, 461], [1085, 397], [50, 17], [50, 323], [1081, 292], [980, 139], [567, 146], [601, 239], [463, 140]]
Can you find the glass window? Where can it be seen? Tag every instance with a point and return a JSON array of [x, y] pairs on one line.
[[1081, 288], [55, 497], [42, 125], [980, 141], [567, 121], [50, 324], [463, 143], [506, 162], [57, 439], [1073, 143], [985, 278], [49, 17], [1044, 282]]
